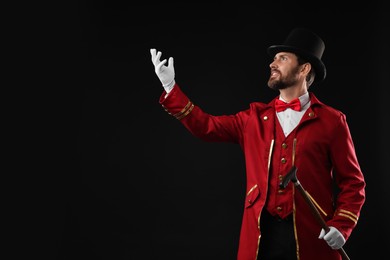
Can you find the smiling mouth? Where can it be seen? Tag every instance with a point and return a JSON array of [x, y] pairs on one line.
[[274, 74]]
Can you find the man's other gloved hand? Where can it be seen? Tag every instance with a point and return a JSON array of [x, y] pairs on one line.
[[166, 74], [334, 238]]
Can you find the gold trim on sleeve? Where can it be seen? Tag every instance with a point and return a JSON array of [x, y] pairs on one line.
[[186, 112], [183, 110], [348, 214], [183, 113]]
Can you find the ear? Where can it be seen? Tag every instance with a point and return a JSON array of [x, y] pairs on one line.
[[306, 68]]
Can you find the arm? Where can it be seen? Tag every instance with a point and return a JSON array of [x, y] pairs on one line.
[[203, 125], [350, 180]]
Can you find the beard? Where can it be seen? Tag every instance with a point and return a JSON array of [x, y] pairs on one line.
[[283, 82]]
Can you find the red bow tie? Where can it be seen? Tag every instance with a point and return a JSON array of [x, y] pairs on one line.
[[280, 105]]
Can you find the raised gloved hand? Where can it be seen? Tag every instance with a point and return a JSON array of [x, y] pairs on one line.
[[166, 74], [334, 238]]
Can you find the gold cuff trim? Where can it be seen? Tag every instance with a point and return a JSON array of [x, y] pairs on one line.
[[183, 110], [186, 113], [348, 214]]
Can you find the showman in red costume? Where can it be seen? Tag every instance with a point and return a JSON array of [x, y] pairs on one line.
[[294, 129]]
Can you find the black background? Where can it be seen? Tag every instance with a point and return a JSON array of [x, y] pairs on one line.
[[129, 182]]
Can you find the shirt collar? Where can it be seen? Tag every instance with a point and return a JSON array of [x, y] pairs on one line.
[[304, 99]]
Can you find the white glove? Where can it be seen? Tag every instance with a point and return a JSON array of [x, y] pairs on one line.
[[334, 238], [166, 74]]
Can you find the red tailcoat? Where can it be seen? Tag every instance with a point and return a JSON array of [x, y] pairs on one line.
[[324, 154]]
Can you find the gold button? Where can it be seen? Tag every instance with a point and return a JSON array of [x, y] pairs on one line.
[[265, 118], [311, 114], [280, 191], [280, 177], [284, 145], [279, 209], [283, 160]]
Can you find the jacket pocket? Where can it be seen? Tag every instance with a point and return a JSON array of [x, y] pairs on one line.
[[252, 195]]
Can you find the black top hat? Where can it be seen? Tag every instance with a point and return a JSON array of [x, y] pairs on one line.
[[307, 45]]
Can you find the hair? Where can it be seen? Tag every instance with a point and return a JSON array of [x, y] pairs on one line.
[[311, 75]]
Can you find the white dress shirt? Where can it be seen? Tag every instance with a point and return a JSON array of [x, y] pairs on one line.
[[290, 118]]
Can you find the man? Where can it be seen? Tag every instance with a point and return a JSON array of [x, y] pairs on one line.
[[294, 129]]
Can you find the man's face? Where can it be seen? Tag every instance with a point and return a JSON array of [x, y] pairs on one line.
[[284, 71]]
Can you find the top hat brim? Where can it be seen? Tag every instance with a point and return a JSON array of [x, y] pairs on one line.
[[319, 66]]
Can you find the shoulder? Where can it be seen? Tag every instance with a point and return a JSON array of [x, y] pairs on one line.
[[258, 109], [254, 112], [258, 105], [324, 109]]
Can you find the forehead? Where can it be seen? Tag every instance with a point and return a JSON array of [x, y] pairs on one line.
[[286, 54]]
